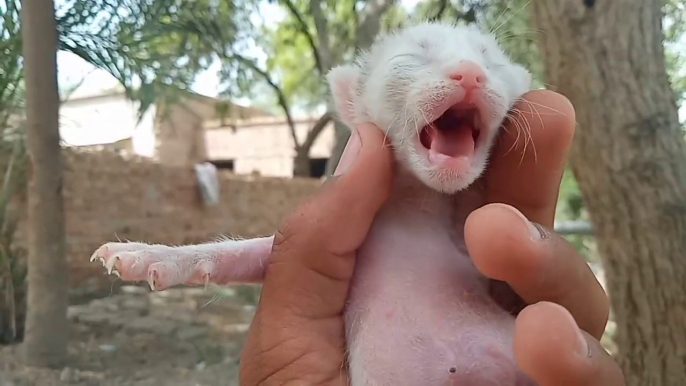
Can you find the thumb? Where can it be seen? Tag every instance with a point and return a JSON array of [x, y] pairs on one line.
[[297, 331], [314, 249], [551, 348], [362, 182]]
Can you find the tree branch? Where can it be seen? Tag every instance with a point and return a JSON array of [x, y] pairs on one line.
[[306, 31], [316, 130], [283, 102], [370, 22], [322, 27]]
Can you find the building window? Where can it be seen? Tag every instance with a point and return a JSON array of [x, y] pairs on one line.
[[223, 164], [317, 167]]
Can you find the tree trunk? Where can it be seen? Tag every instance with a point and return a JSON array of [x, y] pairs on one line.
[[301, 163], [341, 135], [46, 321], [629, 158]]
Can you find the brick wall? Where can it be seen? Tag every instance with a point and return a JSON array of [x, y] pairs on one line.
[[107, 196]]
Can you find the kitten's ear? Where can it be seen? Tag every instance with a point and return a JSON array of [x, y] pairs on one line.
[[343, 82]]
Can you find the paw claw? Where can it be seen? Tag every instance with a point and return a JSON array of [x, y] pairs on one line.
[[111, 263], [100, 253], [161, 266], [152, 280]]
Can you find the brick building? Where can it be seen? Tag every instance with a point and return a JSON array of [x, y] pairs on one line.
[[246, 140]]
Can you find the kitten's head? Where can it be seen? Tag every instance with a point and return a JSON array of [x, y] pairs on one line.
[[440, 92]]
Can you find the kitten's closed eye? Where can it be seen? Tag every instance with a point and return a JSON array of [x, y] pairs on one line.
[[490, 62], [403, 56], [403, 60]]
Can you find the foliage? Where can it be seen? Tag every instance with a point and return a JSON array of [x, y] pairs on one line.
[[674, 28], [570, 206], [11, 74], [12, 158], [151, 47], [154, 48], [301, 49], [291, 59], [12, 269]]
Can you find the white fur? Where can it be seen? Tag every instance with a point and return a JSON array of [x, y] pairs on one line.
[[402, 78]]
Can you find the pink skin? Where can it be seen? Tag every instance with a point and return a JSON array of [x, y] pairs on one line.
[[162, 266], [419, 311]]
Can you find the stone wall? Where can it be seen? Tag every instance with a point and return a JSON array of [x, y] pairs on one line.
[[109, 197]]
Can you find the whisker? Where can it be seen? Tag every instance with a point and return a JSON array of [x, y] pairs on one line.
[[540, 119], [425, 119], [498, 19], [513, 119], [540, 105], [511, 16], [388, 129], [521, 130], [530, 137], [525, 31]]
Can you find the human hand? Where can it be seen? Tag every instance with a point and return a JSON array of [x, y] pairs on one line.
[[557, 335], [297, 336]]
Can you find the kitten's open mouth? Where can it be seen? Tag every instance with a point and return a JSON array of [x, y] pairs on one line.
[[453, 136]]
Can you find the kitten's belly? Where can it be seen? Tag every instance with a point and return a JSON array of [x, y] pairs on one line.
[[420, 314]]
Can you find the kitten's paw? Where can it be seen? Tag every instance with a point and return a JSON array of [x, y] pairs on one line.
[[162, 266]]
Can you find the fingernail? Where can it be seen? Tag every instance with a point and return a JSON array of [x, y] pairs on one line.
[[536, 231], [350, 153], [581, 344], [542, 231]]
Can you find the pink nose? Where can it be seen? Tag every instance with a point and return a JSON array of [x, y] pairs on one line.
[[468, 75]]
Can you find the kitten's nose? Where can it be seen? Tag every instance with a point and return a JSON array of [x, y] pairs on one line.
[[468, 75]]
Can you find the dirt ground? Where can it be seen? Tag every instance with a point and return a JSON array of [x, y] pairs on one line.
[[178, 337]]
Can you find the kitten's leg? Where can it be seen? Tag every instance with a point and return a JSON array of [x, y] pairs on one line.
[[163, 266]]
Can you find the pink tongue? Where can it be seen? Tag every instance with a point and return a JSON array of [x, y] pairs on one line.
[[454, 142]]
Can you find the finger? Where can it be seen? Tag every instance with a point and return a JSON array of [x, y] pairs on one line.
[[340, 214], [538, 264], [551, 349], [306, 283], [313, 253], [528, 161]]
